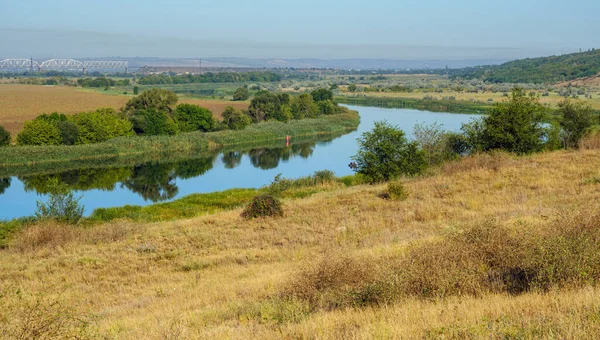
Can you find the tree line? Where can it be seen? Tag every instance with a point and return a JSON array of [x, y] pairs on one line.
[[156, 112], [517, 125], [209, 77]]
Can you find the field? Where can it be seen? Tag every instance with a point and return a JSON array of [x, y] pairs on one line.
[[221, 277], [20, 103]]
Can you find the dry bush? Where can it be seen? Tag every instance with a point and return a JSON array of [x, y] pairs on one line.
[[486, 258], [49, 234], [53, 235], [335, 281], [263, 206], [590, 142], [24, 317], [493, 258], [488, 161], [396, 191]]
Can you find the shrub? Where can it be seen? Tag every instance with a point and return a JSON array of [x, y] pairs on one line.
[[191, 117], [335, 281], [100, 125], [576, 118], [152, 122], [62, 205], [157, 99], [396, 191], [136, 90], [39, 132], [304, 106], [263, 206], [514, 125], [69, 132], [4, 136], [322, 95], [384, 153], [241, 94], [264, 106]]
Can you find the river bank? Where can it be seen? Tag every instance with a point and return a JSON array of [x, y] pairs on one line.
[[17, 159]]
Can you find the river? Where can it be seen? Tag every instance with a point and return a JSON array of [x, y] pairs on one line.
[[153, 182]]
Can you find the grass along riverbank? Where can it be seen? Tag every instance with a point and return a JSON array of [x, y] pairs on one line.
[[17, 158]]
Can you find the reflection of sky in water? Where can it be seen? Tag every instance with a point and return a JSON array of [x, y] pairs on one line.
[[334, 155]]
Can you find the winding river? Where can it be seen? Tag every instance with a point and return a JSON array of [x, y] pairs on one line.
[[153, 182]]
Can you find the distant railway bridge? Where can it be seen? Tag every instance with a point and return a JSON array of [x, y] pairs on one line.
[[63, 64]]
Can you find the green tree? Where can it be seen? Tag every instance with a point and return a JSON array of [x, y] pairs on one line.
[[62, 205], [191, 117], [352, 87], [154, 99], [384, 153], [576, 119], [136, 90], [235, 119], [264, 106], [304, 106], [152, 122], [101, 125], [515, 125], [321, 95], [431, 139], [39, 132], [240, 94], [4, 136]]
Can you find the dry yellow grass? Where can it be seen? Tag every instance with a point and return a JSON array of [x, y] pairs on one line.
[[19, 103], [210, 277]]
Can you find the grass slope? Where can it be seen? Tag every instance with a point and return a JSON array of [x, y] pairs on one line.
[[301, 276]]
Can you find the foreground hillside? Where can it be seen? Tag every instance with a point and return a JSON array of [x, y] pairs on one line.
[[344, 263]]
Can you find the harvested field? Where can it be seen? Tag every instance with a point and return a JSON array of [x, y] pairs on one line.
[[20, 103]]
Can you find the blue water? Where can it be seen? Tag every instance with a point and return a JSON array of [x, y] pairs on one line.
[[149, 183]]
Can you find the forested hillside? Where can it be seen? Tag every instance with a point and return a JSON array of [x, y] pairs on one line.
[[537, 70]]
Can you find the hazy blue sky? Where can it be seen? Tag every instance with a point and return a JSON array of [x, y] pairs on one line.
[[391, 29]]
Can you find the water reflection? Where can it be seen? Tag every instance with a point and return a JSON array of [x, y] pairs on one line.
[[4, 184], [157, 181]]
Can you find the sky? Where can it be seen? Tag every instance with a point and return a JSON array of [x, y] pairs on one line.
[[326, 29]]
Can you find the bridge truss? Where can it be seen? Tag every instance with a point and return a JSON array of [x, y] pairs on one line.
[[64, 64]]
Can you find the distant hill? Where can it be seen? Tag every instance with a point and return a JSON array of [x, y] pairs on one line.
[[537, 70]]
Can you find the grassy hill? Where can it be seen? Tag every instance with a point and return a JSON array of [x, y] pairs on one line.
[[538, 70], [491, 246]]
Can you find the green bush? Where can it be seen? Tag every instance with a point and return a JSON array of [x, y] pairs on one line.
[[322, 95], [62, 205], [69, 132], [157, 99], [263, 206], [100, 125], [191, 117], [576, 119], [40, 132], [235, 119], [304, 106], [4, 136], [136, 90], [152, 122], [385, 153], [396, 191], [515, 125], [241, 94]]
